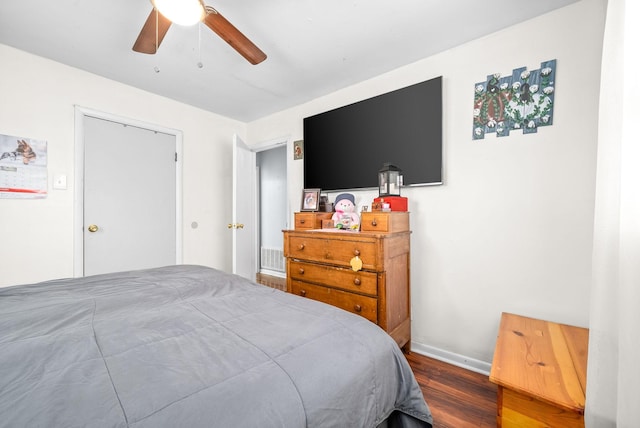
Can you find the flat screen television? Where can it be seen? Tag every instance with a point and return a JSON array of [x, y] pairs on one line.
[[345, 148]]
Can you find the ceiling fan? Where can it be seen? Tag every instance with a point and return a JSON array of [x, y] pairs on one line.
[[166, 12]]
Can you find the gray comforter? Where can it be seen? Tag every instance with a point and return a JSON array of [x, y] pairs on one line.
[[189, 346]]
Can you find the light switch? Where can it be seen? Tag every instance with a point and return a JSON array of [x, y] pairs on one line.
[[60, 181]]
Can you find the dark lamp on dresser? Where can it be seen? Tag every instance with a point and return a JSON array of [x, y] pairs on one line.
[[389, 180]]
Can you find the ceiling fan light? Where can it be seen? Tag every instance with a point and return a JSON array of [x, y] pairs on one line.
[[181, 12]]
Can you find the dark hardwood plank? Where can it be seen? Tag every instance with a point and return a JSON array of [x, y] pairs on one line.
[[272, 281], [458, 398]]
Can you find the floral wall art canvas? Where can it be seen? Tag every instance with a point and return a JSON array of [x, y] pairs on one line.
[[523, 101]]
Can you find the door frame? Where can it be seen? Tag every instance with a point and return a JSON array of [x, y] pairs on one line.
[[78, 204], [259, 147], [260, 222]]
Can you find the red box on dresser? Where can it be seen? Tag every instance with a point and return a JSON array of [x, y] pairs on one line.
[[396, 203]]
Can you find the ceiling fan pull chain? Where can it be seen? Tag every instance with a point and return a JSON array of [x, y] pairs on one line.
[[200, 65], [157, 23], [156, 68]]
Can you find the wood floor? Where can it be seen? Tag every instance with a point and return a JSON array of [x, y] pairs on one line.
[[458, 398], [272, 281]]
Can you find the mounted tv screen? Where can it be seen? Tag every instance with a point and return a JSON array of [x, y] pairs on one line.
[[344, 148]]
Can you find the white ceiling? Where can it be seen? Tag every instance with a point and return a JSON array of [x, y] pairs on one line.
[[313, 47]]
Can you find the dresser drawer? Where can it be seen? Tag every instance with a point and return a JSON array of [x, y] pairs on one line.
[[346, 279], [355, 303], [310, 220], [378, 221], [326, 251]]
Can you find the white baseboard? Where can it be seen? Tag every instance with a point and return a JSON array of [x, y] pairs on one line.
[[452, 358]]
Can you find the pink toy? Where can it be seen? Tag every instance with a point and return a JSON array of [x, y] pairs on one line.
[[345, 216]]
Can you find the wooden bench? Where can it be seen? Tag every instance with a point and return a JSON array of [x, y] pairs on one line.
[[540, 368]]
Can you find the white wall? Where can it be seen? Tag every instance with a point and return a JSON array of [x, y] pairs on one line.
[[511, 229], [37, 98]]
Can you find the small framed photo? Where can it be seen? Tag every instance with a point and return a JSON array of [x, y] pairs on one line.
[[298, 150], [310, 200]]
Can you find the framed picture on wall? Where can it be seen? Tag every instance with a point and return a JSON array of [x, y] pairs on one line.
[[310, 200], [298, 150]]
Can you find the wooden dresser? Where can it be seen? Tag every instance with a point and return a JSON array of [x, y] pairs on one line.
[[540, 368], [319, 266]]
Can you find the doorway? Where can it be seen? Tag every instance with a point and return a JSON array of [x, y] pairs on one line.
[[251, 183], [272, 209], [127, 188]]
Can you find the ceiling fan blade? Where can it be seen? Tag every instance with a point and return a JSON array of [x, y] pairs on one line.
[[233, 36], [146, 41]]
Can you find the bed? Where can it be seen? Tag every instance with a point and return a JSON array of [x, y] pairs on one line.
[[192, 346]]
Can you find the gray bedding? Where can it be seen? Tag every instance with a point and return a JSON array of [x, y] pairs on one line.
[[189, 346]]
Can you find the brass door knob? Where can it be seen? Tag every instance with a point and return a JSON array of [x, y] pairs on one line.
[[92, 228]]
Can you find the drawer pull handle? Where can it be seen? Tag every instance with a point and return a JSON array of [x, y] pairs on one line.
[[301, 270], [356, 252], [303, 293], [374, 223], [356, 281], [301, 247], [357, 308], [301, 221]]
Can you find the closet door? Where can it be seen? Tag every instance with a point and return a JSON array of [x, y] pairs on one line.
[[129, 197]]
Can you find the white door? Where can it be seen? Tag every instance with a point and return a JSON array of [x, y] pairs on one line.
[[243, 222], [129, 197]]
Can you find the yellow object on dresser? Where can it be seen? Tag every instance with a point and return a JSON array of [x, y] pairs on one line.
[[366, 272], [540, 368]]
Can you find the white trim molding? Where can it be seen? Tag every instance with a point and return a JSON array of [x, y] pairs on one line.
[[452, 358], [79, 114]]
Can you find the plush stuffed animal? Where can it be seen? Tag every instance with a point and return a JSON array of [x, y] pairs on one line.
[[346, 216]]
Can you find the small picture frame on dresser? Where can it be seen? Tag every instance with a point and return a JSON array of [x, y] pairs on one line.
[[310, 200]]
